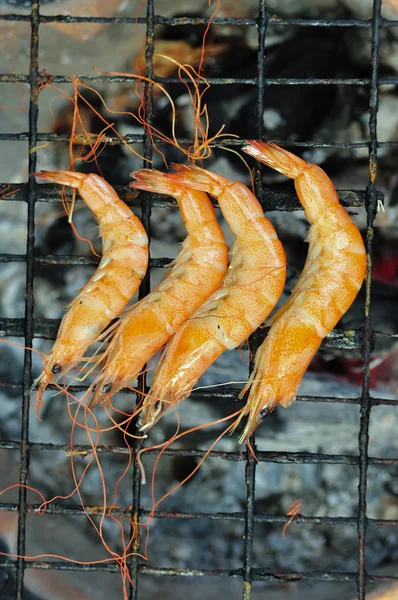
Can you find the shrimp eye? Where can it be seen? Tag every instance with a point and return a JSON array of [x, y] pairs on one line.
[[56, 369], [106, 388], [263, 413]]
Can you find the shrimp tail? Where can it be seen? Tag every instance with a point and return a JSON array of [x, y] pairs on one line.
[[70, 178], [277, 158], [152, 181], [196, 178]]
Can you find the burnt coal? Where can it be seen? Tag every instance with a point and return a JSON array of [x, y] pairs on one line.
[[59, 238], [294, 112]]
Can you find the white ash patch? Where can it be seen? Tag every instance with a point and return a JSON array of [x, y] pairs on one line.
[[272, 118]]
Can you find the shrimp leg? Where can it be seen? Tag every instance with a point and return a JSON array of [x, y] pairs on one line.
[[250, 290], [331, 278], [197, 272], [123, 265]]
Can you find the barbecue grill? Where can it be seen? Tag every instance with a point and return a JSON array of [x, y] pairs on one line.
[[360, 340]]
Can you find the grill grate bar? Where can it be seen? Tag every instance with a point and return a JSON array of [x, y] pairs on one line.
[[20, 78], [29, 300], [135, 138], [363, 438], [145, 288], [65, 259], [258, 574], [159, 20], [269, 199], [72, 510], [347, 339], [224, 393], [250, 471], [263, 456]]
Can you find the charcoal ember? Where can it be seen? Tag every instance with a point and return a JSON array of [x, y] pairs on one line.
[[385, 255], [114, 165], [59, 238], [295, 112], [361, 48], [340, 111], [290, 112]]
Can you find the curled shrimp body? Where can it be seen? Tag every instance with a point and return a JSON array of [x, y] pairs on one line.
[[123, 265], [333, 274], [250, 290], [197, 272]]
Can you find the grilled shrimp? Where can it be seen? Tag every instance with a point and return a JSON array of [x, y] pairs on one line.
[[250, 290], [332, 276], [196, 274], [123, 265]]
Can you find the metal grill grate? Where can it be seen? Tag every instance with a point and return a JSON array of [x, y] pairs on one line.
[[361, 340]]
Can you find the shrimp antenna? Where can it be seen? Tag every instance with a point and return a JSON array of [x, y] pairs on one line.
[[200, 149]]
